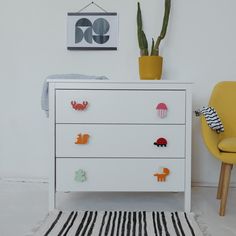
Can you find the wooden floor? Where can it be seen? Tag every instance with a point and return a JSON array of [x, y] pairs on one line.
[[23, 205]]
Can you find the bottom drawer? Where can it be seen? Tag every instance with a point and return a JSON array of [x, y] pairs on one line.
[[119, 175]]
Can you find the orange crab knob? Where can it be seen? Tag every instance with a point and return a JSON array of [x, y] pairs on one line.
[[79, 106]]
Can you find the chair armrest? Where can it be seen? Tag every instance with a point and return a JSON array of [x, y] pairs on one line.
[[210, 137]]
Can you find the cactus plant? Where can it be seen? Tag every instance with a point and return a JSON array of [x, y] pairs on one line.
[[143, 45], [142, 40]]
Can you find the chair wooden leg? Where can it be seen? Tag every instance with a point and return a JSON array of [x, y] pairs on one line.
[[225, 188], [219, 191]]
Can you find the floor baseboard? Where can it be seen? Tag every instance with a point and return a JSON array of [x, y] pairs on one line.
[[45, 180], [25, 180], [212, 185]]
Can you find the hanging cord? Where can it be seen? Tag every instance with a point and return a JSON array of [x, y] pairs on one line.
[[90, 5]]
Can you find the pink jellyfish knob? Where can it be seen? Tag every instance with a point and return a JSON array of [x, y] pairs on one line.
[[162, 110]]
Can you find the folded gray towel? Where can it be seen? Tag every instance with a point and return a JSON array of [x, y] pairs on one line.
[[44, 97]]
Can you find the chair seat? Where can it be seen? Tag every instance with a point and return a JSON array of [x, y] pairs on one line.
[[228, 145]]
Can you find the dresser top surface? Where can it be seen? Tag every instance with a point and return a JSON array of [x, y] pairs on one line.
[[118, 82]]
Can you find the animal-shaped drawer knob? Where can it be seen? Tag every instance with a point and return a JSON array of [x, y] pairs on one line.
[[161, 176], [82, 139], [80, 176], [161, 142], [79, 106], [162, 110]]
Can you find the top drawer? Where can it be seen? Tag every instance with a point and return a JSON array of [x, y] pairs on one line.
[[120, 106]]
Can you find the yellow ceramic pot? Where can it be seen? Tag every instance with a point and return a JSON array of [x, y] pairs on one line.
[[150, 67]]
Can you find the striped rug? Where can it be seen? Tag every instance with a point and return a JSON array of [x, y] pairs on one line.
[[119, 223]]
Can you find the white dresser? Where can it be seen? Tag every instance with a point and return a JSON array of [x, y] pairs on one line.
[[115, 136]]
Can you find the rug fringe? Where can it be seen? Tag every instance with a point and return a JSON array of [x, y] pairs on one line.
[[202, 224], [37, 226]]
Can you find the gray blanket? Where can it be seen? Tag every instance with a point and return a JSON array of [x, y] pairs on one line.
[[45, 98]]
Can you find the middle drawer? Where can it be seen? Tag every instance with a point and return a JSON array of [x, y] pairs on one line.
[[137, 141]]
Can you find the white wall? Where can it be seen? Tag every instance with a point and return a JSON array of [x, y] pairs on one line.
[[200, 47]]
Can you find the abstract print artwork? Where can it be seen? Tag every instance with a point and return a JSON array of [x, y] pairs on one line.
[[92, 31]]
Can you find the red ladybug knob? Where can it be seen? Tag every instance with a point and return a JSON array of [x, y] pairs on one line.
[[161, 142]]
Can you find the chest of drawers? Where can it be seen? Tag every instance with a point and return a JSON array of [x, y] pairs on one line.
[[114, 136]]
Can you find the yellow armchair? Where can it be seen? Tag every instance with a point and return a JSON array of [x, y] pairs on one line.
[[222, 145]]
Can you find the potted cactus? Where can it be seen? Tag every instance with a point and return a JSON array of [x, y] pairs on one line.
[[150, 64]]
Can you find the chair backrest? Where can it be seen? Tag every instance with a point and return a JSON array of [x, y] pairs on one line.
[[223, 99]]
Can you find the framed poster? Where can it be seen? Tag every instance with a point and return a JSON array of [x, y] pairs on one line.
[[92, 31]]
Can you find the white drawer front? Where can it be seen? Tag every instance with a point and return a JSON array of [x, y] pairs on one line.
[[135, 141], [119, 106], [118, 175]]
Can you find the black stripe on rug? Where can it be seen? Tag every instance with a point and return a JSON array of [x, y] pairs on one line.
[[113, 223], [145, 223], [81, 224], [165, 223], [118, 224], [87, 223], [53, 224], [179, 224], [103, 221], [140, 224], [190, 227], [129, 224], [66, 223], [174, 224], [123, 224], [71, 224], [108, 224], [93, 223], [159, 223], [154, 223], [134, 223]]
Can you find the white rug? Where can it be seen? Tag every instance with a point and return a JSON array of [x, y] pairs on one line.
[[119, 223]]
